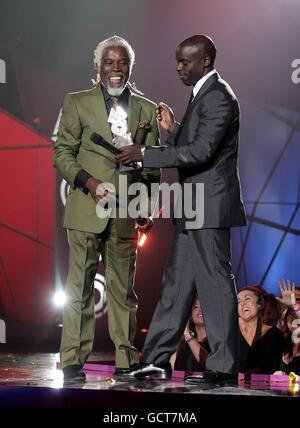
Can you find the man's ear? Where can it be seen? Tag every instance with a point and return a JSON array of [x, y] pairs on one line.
[[206, 61]]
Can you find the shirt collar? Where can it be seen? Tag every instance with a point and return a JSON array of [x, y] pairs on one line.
[[201, 82]]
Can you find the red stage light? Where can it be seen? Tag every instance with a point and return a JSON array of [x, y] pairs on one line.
[[142, 239]]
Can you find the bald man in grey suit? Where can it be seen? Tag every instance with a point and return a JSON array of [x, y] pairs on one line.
[[204, 148]]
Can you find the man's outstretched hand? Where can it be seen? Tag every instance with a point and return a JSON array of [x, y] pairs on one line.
[[165, 116], [131, 153]]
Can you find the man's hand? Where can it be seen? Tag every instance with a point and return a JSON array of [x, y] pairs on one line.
[[287, 289], [130, 153], [164, 114], [98, 189], [145, 226]]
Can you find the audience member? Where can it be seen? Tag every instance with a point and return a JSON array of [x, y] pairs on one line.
[[261, 345], [193, 348]]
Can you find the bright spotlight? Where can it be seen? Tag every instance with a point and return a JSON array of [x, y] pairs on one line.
[[142, 239], [59, 298]]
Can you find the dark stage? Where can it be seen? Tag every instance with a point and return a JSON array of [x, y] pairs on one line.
[[34, 381]]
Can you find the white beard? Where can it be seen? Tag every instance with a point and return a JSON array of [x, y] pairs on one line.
[[115, 92]]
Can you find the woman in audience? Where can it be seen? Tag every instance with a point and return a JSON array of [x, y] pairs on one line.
[[290, 361], [193, 349], [289, 296], [261, 344]]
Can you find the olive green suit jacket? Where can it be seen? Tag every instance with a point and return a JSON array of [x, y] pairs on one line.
[[84, 113]]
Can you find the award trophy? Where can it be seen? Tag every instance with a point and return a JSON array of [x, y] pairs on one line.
[[118, 120]]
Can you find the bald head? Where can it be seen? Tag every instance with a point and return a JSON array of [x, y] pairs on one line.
[[195, 58], [203, 45]]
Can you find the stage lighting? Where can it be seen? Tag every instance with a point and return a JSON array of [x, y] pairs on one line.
[[142, 239], [59, 298]]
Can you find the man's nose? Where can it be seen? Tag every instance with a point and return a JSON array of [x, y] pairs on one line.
[[116, 66], [178, 66]]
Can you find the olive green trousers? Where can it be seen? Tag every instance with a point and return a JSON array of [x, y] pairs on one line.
[[119, 258]]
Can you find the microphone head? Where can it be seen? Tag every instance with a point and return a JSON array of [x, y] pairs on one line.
[[141, 221], [95, 137]]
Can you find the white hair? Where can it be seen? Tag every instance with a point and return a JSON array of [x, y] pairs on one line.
[[113, 41]]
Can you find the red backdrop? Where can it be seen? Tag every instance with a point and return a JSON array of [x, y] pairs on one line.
[[26, 220]]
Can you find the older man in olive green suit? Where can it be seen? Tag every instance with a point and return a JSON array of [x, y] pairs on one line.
[[86, 166]]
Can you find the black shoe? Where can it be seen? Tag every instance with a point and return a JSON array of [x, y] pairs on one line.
[[162, 371], [213, 378], [125, 374], [74, 373]]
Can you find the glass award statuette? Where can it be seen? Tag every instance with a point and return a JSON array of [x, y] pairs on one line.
[[118, 120]]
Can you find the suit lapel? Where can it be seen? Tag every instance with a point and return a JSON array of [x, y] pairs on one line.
[[101, 124], [212, 79], [134, 114], [98, 106]]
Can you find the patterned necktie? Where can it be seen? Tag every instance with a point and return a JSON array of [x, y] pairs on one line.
[[117, 125], [114, 103]]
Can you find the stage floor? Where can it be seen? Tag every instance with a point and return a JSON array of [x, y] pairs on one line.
[[35, 381]]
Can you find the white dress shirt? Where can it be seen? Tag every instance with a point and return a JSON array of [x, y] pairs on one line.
[[201, 82]]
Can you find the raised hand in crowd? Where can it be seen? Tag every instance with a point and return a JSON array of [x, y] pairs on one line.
[[288, 297]]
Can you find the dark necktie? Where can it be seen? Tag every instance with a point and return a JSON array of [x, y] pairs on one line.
[[184, 117], [188, 106]]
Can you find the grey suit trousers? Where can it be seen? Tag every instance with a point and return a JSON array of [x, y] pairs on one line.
[[199, 263]]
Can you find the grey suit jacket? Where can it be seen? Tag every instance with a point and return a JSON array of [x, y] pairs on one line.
[[204, 148]]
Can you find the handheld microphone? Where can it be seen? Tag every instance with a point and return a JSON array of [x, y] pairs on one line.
[[98, 139], [141, 221]]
